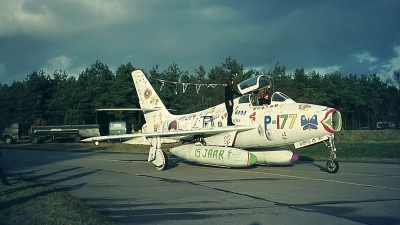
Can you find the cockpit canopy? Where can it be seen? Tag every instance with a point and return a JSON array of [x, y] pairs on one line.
[[254, 83], [251, 88], [277, 97], [280, 97]]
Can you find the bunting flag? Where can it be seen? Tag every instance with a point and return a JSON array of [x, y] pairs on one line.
[[184, 86], [162, 84], [198, 86], [176, 87]]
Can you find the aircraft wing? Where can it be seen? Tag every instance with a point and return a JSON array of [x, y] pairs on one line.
[[203, 131]]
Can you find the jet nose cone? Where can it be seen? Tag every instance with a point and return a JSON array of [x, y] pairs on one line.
[[332, 121], [294, 159]]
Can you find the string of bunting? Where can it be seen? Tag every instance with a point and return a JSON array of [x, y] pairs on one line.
[[185, 85]]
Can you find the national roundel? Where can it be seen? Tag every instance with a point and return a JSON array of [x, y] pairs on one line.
[[147, 93]]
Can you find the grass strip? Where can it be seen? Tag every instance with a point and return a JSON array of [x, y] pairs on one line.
[[354, 151]]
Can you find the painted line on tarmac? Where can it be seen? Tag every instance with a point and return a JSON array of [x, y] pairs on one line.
[[301, 177], [318, 172], [325, 180], [275, 174]]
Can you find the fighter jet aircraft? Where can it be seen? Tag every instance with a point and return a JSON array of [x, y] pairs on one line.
[[254, 139]]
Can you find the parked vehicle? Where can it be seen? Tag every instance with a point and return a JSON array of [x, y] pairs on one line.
[[37, 134], [386, 125], [119, 127]]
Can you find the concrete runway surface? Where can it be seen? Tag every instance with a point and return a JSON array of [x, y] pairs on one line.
[[128, 189]]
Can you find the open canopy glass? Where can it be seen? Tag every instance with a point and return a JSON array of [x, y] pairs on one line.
[[254, 83]]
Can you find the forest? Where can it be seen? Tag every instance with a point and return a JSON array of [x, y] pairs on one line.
[[60, 99]]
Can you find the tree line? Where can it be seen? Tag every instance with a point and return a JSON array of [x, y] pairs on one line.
[[59, 99]]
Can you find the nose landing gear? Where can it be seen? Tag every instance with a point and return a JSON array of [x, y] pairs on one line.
[[332, 165]]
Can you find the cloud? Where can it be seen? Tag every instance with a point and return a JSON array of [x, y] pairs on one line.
[[365, 56], [61, 62], [321, 35], [324, 70], [22, 16], [58, 17], [393, 64]]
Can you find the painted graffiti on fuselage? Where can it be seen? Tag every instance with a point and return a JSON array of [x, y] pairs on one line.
[[260, 130], [310, 141], [280, 121], [173, 125], [155, 127], [224, 116], [309, 123], [304, 107], [227, 140], [284, 136], [253, 117], [157, 117], [264, 107], [188, 117], [238, 121], [154, 100], [240, 112]]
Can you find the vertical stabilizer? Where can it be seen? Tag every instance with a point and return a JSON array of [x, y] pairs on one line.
[[153, 108]]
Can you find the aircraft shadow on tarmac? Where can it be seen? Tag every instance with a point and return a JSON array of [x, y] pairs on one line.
[[3, 177], [30, 175], [311, 161], [175, 162]]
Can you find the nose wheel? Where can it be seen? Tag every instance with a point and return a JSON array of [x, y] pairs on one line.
[[332, 165]]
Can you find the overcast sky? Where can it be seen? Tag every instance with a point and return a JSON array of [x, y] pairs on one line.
[[350, 36]]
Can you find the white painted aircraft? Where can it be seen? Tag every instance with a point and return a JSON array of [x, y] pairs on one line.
[[259, 129]]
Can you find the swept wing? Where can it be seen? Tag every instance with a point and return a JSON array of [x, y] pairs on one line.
[[204, 131]]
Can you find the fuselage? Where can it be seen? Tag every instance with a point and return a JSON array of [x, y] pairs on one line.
[[281, 123]]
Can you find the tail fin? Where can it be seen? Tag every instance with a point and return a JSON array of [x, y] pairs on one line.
[[151, 104]]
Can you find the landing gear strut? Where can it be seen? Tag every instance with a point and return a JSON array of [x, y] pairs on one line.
[[165, 165], [156, 155], [332, 165]]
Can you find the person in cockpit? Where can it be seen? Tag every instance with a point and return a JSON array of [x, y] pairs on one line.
[[265, 100]]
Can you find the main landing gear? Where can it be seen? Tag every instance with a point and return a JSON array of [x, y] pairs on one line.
[[332, 165], [156, 155]]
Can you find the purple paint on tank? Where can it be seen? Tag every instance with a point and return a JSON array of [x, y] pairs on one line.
[[294, 159]]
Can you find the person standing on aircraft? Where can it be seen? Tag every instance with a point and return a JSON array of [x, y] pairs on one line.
[[229, 93]]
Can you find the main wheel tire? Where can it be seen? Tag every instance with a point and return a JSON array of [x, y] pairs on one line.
[[35, 140], [8, 140], [163, 167], [77, 138], [332, 166]]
